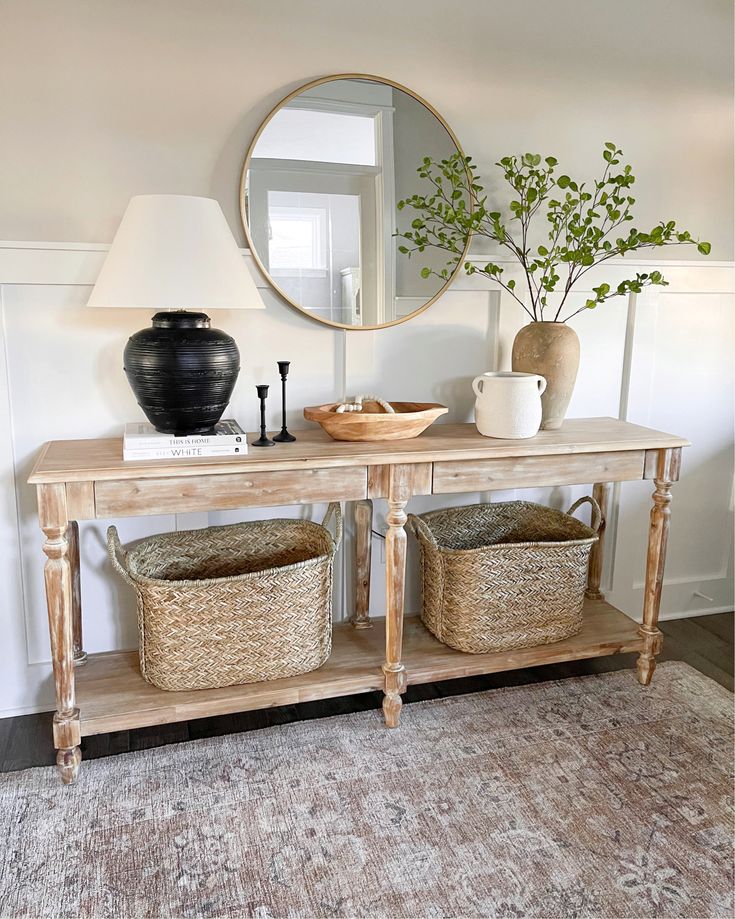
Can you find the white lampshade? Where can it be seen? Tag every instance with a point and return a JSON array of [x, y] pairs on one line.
[[175, 252]]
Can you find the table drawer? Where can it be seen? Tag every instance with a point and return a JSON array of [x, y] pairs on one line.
[[125, 498], [532, 471]]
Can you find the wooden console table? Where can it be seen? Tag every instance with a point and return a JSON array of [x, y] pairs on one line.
[[87, 479]]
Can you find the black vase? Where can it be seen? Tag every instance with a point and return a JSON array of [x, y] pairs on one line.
[[182, 372]]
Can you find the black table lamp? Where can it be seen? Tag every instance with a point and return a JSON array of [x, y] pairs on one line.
[[176, 254]]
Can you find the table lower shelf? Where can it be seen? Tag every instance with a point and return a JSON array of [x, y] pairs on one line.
[[113, 696]]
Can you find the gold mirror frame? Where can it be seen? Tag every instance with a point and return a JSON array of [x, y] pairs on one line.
[[246, 228]]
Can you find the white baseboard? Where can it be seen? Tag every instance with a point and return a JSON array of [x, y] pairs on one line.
[[26, 710], [693, 613]]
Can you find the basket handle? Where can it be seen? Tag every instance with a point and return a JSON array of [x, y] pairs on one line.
[[596, 522], [421, 530], [334, 510], [118, 556]]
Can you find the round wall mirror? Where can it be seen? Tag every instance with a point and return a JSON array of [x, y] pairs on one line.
[[318, 197]]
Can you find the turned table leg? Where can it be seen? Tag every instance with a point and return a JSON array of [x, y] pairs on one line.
[[601, 494], [59, 599], [399, 491], [80, 655], [363, 558], [663, 467]]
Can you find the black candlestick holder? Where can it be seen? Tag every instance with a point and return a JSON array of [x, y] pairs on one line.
[[284, 437], [263, 440]]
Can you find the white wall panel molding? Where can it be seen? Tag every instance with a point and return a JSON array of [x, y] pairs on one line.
[[662, 357], [681, 380], [33, 262], [66, 263]]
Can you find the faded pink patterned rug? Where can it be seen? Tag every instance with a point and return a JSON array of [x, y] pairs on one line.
[[583, 797]]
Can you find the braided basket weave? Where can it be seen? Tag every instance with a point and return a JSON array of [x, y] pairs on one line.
[[502, 576], [232, 604]]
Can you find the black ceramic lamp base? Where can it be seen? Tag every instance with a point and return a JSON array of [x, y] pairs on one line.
[[182, 372]]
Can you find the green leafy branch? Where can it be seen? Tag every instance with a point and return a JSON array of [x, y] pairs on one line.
[[585, 228]]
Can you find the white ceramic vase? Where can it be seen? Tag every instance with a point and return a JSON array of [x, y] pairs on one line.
[[508, 404]]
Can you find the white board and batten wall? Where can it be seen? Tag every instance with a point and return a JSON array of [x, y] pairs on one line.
[[664, 359]]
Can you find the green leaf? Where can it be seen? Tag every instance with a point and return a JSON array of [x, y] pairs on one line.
[[551, 161], [704, 248], [611, 146], [563, 181], [511, 285], [425, 272]]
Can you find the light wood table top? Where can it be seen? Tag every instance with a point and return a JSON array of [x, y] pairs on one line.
[[101, 459]]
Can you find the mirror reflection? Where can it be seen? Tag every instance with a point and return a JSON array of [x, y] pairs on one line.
[[319, 194]]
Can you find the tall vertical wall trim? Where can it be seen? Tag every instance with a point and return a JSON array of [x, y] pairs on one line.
[[14, 459]]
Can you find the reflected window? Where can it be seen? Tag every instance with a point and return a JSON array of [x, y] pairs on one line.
[[325, 137], [297, 239]]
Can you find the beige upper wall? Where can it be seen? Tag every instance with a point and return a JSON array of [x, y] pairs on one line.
[[103, 99]]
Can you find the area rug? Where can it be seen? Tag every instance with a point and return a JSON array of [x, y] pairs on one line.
[[583, 797]]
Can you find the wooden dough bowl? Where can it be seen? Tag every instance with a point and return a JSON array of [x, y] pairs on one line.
[[373, 422]]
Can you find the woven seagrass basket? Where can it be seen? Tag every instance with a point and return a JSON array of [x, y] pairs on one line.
[[232, 604], [502, 576]]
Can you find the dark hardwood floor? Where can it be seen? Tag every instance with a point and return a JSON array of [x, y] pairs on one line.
[[705, 642]]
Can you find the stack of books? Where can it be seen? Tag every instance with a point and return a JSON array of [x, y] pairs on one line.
[[143, 442]]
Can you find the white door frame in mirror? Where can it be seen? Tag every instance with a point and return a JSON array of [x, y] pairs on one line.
[[385, 198]]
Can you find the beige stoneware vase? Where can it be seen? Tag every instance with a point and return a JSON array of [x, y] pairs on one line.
[[550, 349]]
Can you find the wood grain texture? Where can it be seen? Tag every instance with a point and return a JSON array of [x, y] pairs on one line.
[[97, 460], [363, 563], [399, 492], [531, 471], [667, 472], [52, 506], [663, 464], [113, 696], [420, 474], [80, 655], [57, 575], [80, 500], [601, 494], [374, 423], [127, 498]]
